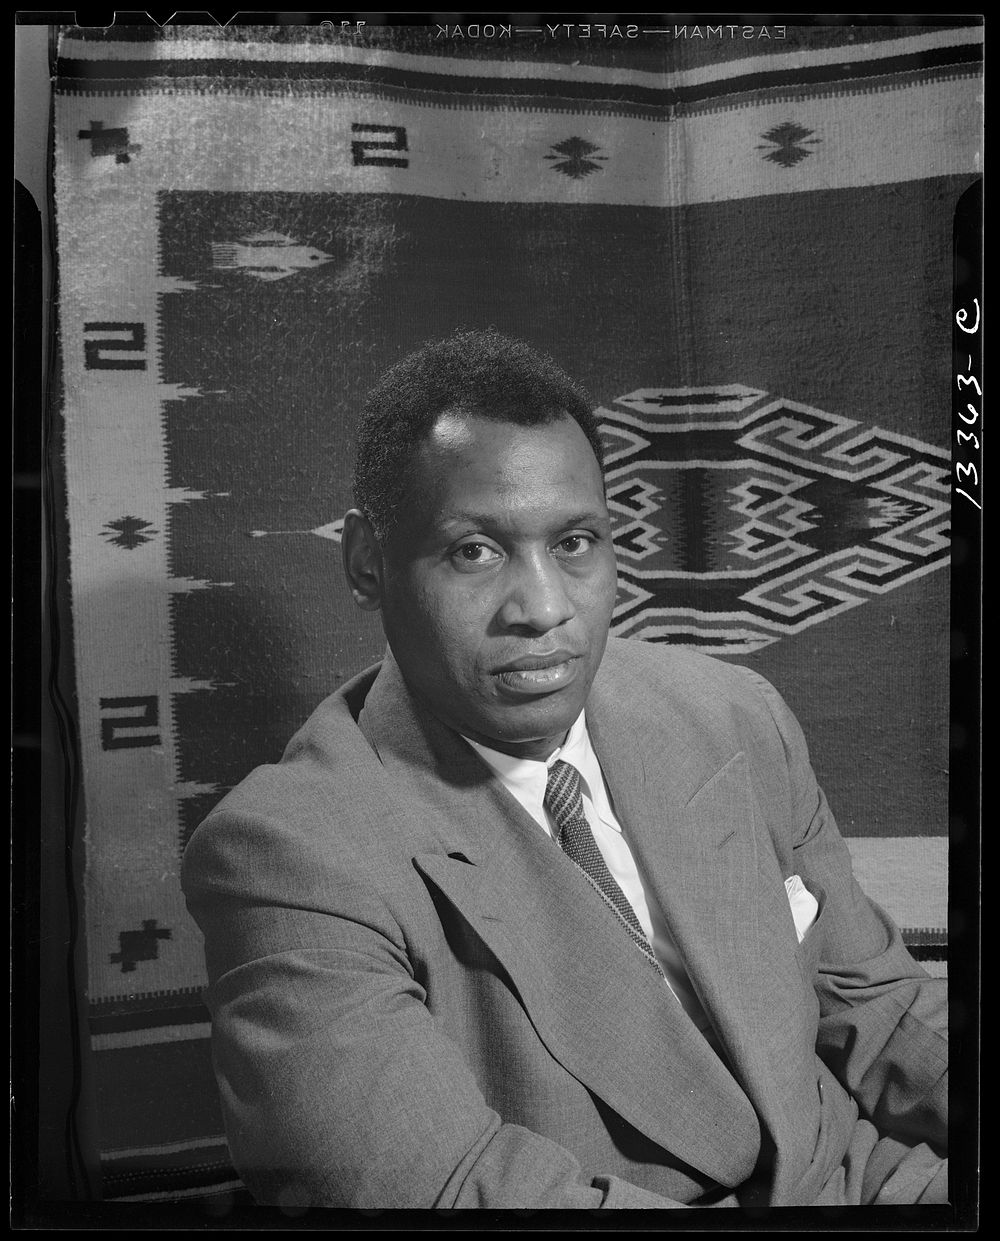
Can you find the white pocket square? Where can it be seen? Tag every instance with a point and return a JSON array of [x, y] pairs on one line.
[[804, 905]]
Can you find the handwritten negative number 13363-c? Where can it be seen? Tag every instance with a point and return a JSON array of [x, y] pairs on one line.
[[966, 471]]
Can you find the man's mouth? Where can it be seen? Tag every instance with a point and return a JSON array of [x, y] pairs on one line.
[[538, 673]]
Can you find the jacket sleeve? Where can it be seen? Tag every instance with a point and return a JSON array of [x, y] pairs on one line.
[[337, 1086], [883, 1019]]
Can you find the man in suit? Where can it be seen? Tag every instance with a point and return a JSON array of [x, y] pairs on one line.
[[530, 918]]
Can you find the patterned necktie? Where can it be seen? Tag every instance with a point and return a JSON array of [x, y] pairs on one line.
[[564, 801]]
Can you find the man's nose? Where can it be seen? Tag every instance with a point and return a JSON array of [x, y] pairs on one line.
[[537, 597]]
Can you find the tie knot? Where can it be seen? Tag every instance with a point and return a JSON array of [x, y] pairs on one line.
[[562, 791]]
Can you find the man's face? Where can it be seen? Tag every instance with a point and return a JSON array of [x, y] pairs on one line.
[[498, 580]]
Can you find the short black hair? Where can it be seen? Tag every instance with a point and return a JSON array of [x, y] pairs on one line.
[[481, 373]]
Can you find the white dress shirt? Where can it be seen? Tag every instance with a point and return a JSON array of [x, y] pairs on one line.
[[526, 779]]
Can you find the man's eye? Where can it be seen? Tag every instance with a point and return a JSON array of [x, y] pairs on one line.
[[575, 544], [476, 554]]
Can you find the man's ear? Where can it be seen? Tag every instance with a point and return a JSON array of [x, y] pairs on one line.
[[362, 560]]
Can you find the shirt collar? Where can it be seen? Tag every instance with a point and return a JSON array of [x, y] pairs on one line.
[[531, 775]]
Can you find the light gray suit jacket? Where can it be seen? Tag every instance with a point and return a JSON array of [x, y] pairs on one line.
[[418, 1000]]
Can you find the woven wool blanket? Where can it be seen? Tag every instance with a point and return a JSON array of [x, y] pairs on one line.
[[741, 247]]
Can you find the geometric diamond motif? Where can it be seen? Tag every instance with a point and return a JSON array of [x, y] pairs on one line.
[[788, 143], [128, 532], [576, 158], [740, 517]]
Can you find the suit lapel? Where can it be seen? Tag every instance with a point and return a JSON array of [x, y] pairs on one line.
[[596, 1003], [691, 832], [690, 817]]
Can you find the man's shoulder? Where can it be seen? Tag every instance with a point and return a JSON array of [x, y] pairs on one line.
[[328, 771], [661, 671], [320, 829], [654, 689]]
